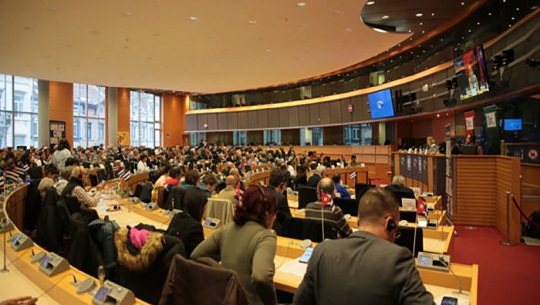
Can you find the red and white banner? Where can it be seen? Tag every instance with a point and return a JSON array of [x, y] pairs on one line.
[[469, 122]]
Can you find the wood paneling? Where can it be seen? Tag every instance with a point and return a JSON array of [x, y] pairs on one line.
[[293, 117], [124, 113], [283, 117], [61, 106], [232, 120], [530, 174], [174, 122], [222, 121], [243, 120]]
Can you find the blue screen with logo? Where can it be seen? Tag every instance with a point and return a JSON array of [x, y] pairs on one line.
[[512, 124], [380, 104]]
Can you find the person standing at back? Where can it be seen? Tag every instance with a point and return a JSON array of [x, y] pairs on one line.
[[366, 267]]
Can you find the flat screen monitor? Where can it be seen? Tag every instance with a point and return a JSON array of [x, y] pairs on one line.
[[471, 73], [380, 104], [512, 124], [469, 150]]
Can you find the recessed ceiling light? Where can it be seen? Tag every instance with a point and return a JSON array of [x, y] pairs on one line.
[[419, 15], [432, 14], [380, 30], [301, 4], [252, 22], [370, 2], [385, 17], [462, 3], [193, 18], [421, 23], [128, 14]]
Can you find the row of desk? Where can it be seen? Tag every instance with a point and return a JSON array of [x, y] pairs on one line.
[[289, 273], [287, 278]]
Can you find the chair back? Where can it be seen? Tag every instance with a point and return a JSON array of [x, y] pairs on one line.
[[361, 188], [306, 194], [163, 194], [101, 174], [348, 206], [307, 228], [35, 172], [221, 209], [201, 282]]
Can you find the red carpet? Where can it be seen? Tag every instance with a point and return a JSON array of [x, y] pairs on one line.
[[508, 275]]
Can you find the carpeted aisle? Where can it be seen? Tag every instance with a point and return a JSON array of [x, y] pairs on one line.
[[508, 275]]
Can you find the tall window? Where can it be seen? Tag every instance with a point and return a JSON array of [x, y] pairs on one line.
[[239, 137], [18, 111], [145, 124], [88, 114], [272, 137], [357, 134], [196, 138]]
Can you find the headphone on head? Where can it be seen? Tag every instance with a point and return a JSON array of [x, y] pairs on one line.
[[262, 192], [80, 172], [391, 226]]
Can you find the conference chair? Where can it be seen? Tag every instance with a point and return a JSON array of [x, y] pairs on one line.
[[222, 209], [201, 282], [101, 175], [306, 228], [411, 237], [399, 195], [51, 227], [306, 194], [175, 200], [348, 206], [361, 188], [110, 172], [163, 194], [35, 172], [32, 206]]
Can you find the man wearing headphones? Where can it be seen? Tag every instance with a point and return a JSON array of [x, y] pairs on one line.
[[367, 265], [330, 212]]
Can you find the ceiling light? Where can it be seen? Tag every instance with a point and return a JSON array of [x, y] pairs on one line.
[[462, 3], [432, 14], [385, 17], [301, 4], [193, 18], [252, 22], [370, 2], [419, 15], [421, 23], [380, 30]]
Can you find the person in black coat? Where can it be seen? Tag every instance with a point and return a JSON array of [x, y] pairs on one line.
[[278, 184], [186, 225]]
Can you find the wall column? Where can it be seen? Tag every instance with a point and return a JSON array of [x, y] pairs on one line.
[[112, 116], [43, 113], [61, 106]]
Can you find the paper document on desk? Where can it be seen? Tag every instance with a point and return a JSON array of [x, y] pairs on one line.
[[294, 267]]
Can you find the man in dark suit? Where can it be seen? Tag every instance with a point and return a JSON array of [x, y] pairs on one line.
[[278, 184], [317, 176], [367, 265], [398, 184]]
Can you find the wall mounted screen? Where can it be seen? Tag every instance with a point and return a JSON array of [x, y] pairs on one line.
[[380, 104], [471, 73], [512, 124]]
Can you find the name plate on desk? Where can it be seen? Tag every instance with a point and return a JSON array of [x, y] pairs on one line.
[[21, 242], [433, 261], [111, 293], [53, 264]]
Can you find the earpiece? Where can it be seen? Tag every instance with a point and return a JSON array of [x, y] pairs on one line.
[[391, 226]]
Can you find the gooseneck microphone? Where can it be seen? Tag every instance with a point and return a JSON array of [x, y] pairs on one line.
[[445, 264]]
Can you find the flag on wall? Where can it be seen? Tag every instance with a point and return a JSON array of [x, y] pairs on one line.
[[491, 117], [469, 122]]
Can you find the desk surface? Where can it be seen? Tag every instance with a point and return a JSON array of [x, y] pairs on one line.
[[437, 282]]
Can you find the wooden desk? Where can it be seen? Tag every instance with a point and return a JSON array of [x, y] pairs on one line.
[[57, 287], [435, 240], [438, 283]]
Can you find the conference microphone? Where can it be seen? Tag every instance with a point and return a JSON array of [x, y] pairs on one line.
[[447, 265]]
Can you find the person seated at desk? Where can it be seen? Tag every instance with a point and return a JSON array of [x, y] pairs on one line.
[[173, 179], [432, 147], [142, 166], [187, 224], [51, 174], [332, 213], [353, 162], [367, 265], [470, 140], [229, 192], [208, 184], [247, 245], [398, 184], [190, 180], [340, 189], [278, 184], [317, 176], [236, 173], [76, 188]]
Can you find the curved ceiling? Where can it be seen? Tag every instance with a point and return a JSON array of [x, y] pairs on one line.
[[191, 46]]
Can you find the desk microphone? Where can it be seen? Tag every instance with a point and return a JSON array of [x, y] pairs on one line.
[[445, 264]]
